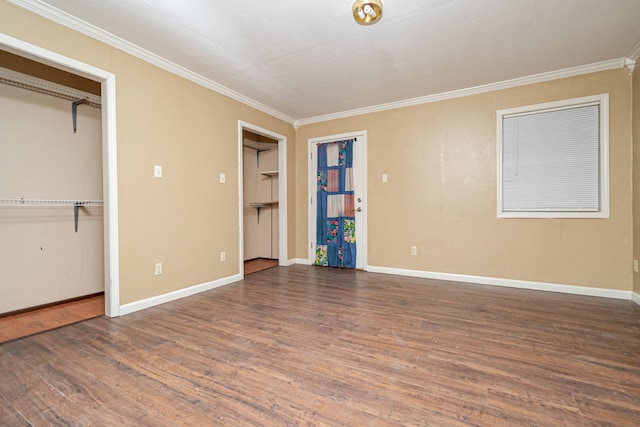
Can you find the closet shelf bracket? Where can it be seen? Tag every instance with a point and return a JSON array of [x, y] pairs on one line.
[[74, 111], [76, 211]]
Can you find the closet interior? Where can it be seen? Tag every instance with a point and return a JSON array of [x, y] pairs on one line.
[[260, 200], [51, 186]]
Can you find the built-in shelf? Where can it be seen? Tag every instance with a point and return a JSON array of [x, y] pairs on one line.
[[263, 146], [259, 147], [270, 174], [256, 147], [260, 205]]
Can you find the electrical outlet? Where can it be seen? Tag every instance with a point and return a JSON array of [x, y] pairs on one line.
[[414, 250], [223, 256], [158, 270], [635, 265], [385, 178]]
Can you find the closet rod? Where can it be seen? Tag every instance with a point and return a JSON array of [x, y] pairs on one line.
[[50, 92]]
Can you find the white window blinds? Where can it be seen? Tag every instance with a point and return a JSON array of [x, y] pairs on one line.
[[551, 160]]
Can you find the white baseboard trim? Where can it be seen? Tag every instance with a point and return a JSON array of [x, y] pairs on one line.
[[511, 283], [290, 262], [175, 295], [492, 281]]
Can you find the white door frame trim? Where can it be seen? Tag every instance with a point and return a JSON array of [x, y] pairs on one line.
[[282, 191], [109, 155], [312, 186]]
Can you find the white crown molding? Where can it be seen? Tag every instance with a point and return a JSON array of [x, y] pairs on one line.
[[510, 283], [634, 55], [629, 65], [60, 17], [506, 84], [56, 15]]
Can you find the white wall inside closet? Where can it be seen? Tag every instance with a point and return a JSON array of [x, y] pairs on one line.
[[260, 193], [42, 258]]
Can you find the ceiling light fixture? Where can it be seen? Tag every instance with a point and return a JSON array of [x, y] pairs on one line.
[[367, 12]]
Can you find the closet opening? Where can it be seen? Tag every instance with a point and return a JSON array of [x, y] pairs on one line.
[[262, 171], [51, 170], [53, 251], [260, 157]]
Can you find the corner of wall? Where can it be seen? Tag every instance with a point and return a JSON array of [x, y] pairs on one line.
[[635, 129]]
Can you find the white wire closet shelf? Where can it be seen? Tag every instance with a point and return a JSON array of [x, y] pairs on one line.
[[49, 202], [77, 204]]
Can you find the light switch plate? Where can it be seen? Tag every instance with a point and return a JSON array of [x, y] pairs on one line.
[[157, 171]]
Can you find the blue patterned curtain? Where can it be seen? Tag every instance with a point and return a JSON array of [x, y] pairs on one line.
[[336, 222]]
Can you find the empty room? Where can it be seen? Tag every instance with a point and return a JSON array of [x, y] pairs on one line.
[[336, 213]]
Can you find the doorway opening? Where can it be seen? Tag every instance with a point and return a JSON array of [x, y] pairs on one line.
[[262, 172], [359, 196]]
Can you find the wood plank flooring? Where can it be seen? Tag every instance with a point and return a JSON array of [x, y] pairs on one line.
[[316, 346], [31, 322]]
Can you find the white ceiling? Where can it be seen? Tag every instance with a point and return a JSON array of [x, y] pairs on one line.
[[306, 58]]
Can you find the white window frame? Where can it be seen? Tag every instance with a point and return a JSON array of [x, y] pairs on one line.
[[603, 212]]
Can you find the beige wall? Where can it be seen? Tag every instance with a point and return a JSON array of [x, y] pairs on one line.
[[42, 259], [636, 172], [441, 191], [186, 218]]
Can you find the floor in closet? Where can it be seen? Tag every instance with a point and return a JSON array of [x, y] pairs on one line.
[[259, 264], [31, 322]]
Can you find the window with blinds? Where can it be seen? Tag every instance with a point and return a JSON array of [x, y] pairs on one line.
[[553, 160]]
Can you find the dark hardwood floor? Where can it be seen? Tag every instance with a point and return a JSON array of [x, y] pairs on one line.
[[327, 347]]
